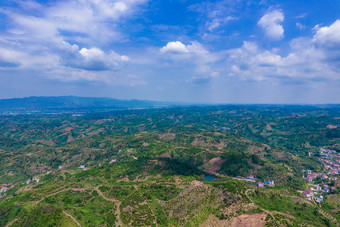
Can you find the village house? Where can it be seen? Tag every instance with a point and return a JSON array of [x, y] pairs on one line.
[[251, 177], [308, 194], [310, 178], [319, 199], [316, 187], [60, 167], [324, 176], [325, 189], [269, 183], [260, 184], [37, 179], [333, 172]]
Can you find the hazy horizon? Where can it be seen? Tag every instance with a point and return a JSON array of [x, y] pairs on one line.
[[174, 102], [199, 52]]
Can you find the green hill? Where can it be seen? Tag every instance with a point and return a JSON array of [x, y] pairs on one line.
[[159, 161]]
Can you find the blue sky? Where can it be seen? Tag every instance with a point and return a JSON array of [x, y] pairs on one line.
[[229, 51]]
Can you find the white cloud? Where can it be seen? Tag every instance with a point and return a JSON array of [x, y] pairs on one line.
[[216, 14], [93, 59], [271, 24], [301, 16], [194, 51], [9, 58], [300, 26], [174, 47], [40, 35], [219, 21], [327, 41], [192, 54], [328, 36], [305, 61], [92, 53]]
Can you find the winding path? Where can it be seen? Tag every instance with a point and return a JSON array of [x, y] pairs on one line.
[[11, 223], [60, 191], [324, 213], [75, 220], [117, 202], [266, 211]]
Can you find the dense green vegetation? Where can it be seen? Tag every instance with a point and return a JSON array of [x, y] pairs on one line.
[[278, 201], [34, 144], [160, 159]]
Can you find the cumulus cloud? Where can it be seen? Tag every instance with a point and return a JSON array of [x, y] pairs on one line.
[[93, 59], [307, 60], [328, 36], [271, 24], [9, 58], [327, 41], [40, 35], [194, 51], [174, 47], [192, 54]]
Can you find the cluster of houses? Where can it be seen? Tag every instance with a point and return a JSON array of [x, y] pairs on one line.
[[37, 179], [4, 189], [311, 176], [310, 195], [83, 167], [260, 184], [113, 161], [251, 177], [331, 161], [266, 183]]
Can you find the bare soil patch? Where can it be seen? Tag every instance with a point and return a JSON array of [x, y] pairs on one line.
[[246, 220], [331, 126], [167, 136], [199, 143], [68, 129], [95, 132], [196, 183], [269, 128], [213, 165]]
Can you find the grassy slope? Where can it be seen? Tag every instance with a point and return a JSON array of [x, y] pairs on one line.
[[169, 200]]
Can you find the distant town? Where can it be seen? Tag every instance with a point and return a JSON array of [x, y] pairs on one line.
[[323, 182]]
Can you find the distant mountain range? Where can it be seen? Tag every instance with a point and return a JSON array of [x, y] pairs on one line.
[[74, 103], [57, 104]]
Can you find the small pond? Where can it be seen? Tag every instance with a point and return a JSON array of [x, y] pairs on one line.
[[209, 178]]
